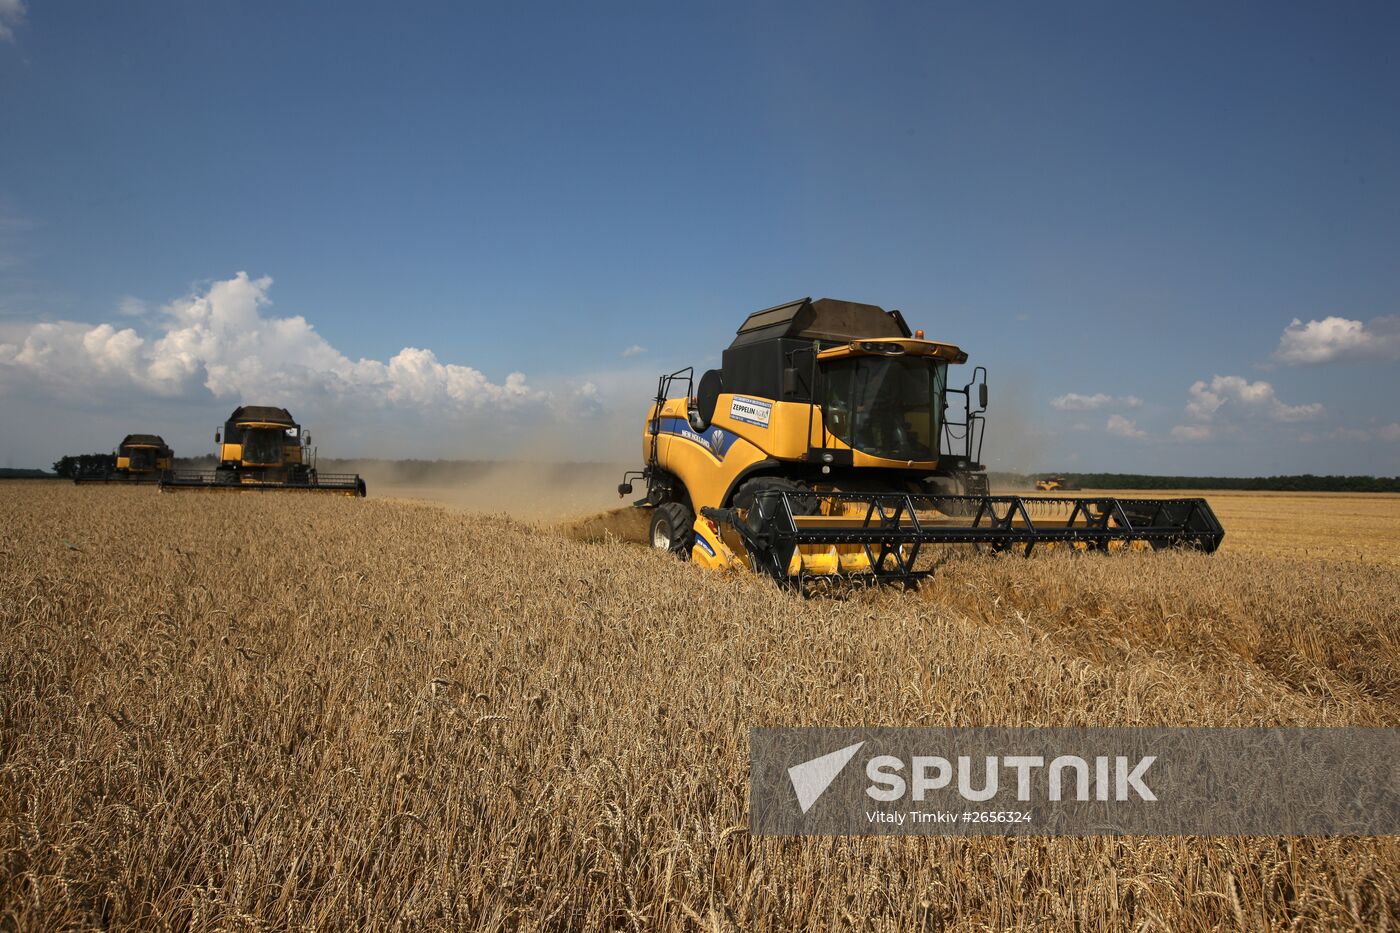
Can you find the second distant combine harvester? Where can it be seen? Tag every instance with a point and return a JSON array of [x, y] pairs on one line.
[[826, 445], [141, 458], [262, 448]]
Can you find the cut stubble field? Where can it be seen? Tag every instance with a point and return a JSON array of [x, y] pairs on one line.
[[239, 711]]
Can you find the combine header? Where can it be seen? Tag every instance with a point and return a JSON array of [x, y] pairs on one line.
[[824, 446], [263, 449], [141, 458]]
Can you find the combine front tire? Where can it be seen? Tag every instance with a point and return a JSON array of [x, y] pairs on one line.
[[672, 529]]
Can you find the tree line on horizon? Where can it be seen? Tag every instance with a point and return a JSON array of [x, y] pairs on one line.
[[72, 466], [1303, 482]]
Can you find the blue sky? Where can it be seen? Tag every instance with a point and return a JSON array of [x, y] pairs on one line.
[[1106, 204]]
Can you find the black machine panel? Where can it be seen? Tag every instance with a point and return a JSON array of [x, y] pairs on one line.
[[771, 356]]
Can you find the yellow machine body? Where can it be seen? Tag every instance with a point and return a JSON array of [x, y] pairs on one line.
[[744, 435], [139, 458], [826, 444], [288, 454], [129, 461], [752, 430], [263, 448]]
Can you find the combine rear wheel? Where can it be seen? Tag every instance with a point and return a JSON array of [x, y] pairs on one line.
[[673, 529]]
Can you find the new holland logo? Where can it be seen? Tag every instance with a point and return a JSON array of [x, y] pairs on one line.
[[716, 439]]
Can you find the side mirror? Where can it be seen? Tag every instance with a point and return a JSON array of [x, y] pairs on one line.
[[982, 395], [789, 381], [625, 489], [218, 437], [706, 399], [306, 439]]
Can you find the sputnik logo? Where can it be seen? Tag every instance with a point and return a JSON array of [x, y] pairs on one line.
[[811, 778]]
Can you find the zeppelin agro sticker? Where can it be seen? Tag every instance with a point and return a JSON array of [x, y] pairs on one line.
[[751, 410]]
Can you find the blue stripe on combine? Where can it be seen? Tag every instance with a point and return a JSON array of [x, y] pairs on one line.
[[714, 439]]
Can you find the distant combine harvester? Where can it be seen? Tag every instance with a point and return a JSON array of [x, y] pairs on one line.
[[140, 458], [261, 449]]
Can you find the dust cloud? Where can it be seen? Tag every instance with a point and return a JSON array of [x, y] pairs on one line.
[[560, 467], [1016, 441], [546, 484], [534, 492]]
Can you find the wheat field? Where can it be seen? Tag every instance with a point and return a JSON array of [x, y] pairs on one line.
[[225, 711]]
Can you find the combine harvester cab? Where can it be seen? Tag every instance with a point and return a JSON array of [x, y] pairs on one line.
[[828, 445], [263, 449], [140, 458]]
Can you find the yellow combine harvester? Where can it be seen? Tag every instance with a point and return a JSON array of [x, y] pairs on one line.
[[140, 458], [263, 448], [1054, 483], [824, 445]]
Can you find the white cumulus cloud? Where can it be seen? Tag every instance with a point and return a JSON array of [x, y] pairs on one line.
[[224, 341], [131, 306], [11, 15], [1339, 340], [1192, 432], [1073, 401], [1123, 427], [1207, 399], [634, 350]]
